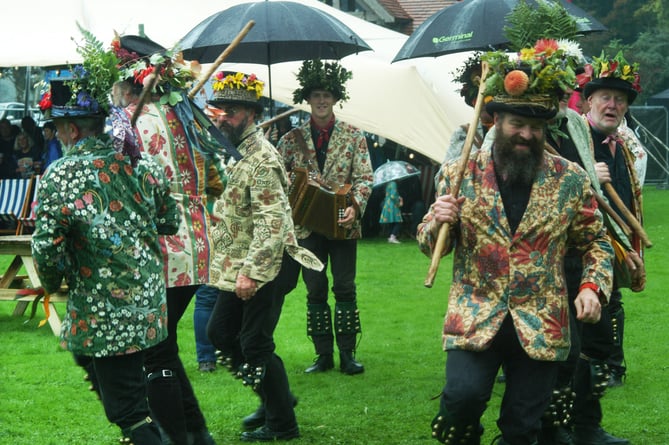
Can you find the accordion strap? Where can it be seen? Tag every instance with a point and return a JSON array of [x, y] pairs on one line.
[[299, 137]]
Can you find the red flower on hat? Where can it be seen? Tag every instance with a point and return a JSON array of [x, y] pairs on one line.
[[45, 103]]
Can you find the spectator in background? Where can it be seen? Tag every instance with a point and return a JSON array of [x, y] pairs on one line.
[[29, 125], [8, 165], [391, 212], [52, 147], [27, 154]]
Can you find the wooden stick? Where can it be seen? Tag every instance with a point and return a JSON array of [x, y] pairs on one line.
[[147, 91], [278, 117], [629, 217], [464, 158], [224, 55]]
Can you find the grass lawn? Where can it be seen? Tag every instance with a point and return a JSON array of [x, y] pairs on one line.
[[44, 400]]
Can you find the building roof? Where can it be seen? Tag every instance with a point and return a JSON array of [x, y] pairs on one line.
[[415, 11]]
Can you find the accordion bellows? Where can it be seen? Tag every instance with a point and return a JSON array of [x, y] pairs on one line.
[[317, 205]]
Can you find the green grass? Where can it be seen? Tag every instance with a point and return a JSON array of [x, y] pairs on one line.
[[43, 399]]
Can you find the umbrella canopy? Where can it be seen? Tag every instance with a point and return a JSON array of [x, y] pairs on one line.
[[473, 25], [394, 171], [283, 31]]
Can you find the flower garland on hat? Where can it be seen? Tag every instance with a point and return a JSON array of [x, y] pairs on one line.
[[175, 74], [543, 69], [240, 81], [617, 67]]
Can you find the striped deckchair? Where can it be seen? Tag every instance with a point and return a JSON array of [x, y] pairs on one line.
[[15, 197], [28, 217]]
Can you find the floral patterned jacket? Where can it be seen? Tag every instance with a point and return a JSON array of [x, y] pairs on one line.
[[254, 224], [162, 136], [347, 162], [97, 226], [496, 274]]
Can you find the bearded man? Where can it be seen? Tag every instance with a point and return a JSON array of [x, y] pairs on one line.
[[519, 210]]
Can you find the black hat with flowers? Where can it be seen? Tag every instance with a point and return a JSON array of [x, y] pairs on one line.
[[237, 88], [318, 75], [86, 94], [615, 74], [532, 84]]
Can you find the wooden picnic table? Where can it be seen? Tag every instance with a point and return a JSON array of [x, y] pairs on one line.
[[18, 246]]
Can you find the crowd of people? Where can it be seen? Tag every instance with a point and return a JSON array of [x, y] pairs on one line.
[[153, 205], [27, 150]]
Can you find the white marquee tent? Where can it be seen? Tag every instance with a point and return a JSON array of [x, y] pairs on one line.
[[412, 102]]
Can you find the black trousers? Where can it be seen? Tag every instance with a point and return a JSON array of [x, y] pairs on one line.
[[171, 396], [341, 255], [470, 377], [122, 387], [245, 330]]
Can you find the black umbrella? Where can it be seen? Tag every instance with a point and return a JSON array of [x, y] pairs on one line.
[[283, 31], [472, 25]]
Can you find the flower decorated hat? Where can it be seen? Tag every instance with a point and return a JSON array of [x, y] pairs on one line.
[[616, 73], [317, 75], [141, 59], [86, 94], [532, 83], [237, 88]]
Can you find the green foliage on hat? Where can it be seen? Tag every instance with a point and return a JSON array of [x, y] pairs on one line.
[[316, 75], [93, 80], [548, 20]]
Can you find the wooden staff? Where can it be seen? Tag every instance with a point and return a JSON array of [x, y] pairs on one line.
[[278, 117], [464, 158], [224, 55], [629, 217], [147, 91]]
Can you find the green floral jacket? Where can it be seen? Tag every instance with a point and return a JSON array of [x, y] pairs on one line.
[[97, 226], [497, 273]]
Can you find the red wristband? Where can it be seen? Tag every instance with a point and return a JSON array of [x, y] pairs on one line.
[[592, 286]]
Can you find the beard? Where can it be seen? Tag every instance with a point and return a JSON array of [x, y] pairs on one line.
[[514, 166], [234, 133]]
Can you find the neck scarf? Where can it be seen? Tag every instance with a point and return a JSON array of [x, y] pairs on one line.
[[612, 140], [323, 132]]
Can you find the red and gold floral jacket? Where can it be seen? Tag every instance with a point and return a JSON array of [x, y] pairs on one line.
[[497, 273]]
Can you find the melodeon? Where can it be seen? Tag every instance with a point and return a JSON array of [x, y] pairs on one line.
[[317, 205]]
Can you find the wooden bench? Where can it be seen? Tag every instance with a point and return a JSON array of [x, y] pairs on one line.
[[18, 246]]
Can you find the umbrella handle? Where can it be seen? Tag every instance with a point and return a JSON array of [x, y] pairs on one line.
[[464, 158], [224, 55]]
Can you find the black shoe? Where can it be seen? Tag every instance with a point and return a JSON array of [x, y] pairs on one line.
[[616, 379], [257, 418], [206, 366], [555, 436], [348, 364], [322, 363], [201, 437], [265, 434], [596, 436]]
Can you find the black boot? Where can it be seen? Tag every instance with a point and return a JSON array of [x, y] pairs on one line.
[[348, 364], [164, 395], [257, 418], [254, 420], [143, 433], [323, 362], [555, 435], [596, 436]]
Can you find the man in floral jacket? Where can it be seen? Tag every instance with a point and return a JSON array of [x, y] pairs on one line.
[[337, 152], [518, 211], [99, 216], [256, 260]]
